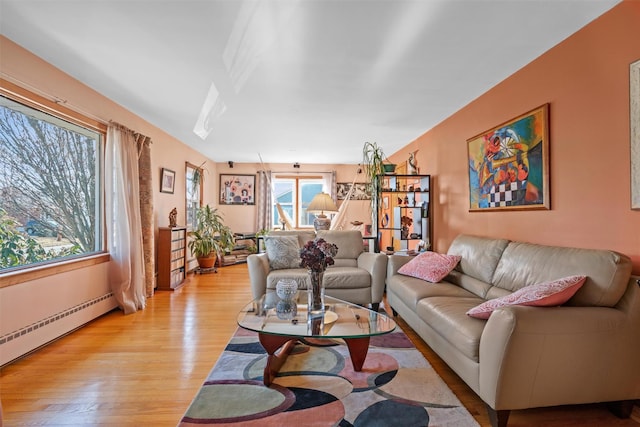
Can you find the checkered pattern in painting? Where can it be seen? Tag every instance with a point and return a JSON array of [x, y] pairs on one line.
[[509, 194]]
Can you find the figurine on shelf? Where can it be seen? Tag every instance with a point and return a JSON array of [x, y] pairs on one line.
[[405, 222], [173, 215], [413, 163]]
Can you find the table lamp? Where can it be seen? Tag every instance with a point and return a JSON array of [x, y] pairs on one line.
[[320, 204]]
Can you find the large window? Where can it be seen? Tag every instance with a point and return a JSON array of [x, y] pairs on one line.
[[294, 194], [50, 186]]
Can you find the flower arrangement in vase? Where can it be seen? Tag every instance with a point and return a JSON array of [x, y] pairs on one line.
[[315, 256]]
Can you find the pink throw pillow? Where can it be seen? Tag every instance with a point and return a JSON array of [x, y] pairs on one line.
[[430, 266], [547, 294]]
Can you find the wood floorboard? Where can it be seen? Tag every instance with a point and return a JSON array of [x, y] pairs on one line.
[[144, 369]]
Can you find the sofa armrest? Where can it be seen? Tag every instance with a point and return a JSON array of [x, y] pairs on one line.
[[395, 262], [258, 265], [534, 356], [376, 265]]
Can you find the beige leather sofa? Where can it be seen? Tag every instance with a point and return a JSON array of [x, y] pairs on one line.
[[586, 351], [357, 276]]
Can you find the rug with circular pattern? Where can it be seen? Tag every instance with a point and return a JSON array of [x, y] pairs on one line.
[[317, 386]]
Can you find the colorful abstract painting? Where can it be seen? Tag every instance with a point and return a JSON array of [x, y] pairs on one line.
[[237, 189], [509, 164]]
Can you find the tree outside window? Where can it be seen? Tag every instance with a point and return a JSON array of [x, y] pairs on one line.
[[49, 187]]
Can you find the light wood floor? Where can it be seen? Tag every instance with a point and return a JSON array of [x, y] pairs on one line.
[[144, 369]]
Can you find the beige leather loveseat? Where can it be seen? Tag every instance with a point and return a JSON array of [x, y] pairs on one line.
[[357, 276], [585, 351]]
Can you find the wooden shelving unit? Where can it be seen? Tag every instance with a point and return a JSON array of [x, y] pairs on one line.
[[404, 211], [172, 245]]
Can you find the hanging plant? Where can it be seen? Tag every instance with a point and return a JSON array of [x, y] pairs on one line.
[[197, 176]]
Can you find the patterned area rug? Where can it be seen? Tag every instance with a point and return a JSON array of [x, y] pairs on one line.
[[317, 386]]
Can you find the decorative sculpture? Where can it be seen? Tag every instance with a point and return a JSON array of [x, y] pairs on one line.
[[413, 163], [173, 215], [405, 222]]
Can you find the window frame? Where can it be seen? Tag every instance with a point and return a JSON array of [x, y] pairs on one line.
[[55, 108], [296, 200]]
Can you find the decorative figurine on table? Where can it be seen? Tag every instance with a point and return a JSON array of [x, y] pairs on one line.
[[173, 215]]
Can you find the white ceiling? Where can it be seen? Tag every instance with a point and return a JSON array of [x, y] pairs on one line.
[[301, 81]]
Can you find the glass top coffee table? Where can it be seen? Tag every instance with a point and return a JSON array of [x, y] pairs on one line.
[[281, 323]]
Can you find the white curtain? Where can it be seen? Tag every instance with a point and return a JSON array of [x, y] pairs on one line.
[[329, 185], [124, 229]]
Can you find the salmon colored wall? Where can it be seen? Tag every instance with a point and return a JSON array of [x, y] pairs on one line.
[[585, 79], [243, 218], [42, 300]]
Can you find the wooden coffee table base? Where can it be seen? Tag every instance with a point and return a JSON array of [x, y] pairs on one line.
[[358, 348]]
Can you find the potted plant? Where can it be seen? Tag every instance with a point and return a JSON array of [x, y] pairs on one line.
[[210, 237], [375, 163]]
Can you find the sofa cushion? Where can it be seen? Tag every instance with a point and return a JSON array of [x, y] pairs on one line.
[[343, 262], [446, 315], [473, 285], [411, 290], [303, 235], [334, 277], [346, 278], [297, 274], [547, 294], [282, 251], [349, 242], [525, 264], [430, 266], [480, 255]]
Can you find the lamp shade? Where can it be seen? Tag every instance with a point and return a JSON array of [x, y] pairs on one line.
[[322, 203]]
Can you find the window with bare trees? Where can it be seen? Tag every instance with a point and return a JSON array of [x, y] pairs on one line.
[[50, 186]]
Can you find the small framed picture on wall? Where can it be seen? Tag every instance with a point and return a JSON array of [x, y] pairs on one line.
[[167, 181]]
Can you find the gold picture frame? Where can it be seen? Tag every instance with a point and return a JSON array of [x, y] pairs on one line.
[[634, 127], [508, 165]]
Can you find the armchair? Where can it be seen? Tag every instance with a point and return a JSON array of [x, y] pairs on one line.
[[357, 276]]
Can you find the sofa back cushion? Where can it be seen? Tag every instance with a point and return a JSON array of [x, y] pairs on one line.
[[303, 235], [524, 264], [479, 255], [349, 242]]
